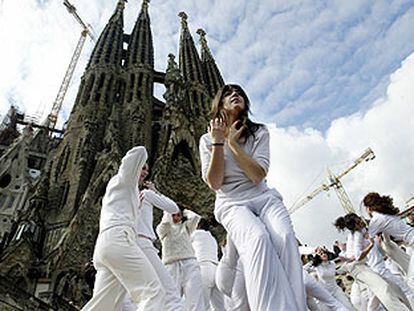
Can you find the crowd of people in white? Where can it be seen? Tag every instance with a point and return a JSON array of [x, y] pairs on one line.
[[262, 267]]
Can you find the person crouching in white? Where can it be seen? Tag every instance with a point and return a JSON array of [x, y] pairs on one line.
[[120, 263], [179, 257], [151, 198], [206, 249]]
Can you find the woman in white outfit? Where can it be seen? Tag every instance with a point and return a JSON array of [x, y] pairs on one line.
[[121, 265], [206, 252], [385, 220], [179, 258], [356, 252], [235, 160], [326, 272], [151, 198]]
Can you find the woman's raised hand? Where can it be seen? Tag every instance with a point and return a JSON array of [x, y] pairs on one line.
[[217, 130]]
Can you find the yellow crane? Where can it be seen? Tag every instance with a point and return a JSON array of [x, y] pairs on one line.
[[334, 181], [86, 31]]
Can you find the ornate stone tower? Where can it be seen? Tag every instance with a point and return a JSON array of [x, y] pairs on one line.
[[115, 109]]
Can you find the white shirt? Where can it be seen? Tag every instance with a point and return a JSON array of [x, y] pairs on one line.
[[120, 204], [205, 246], [176, 238], [235, 183], [355, 244], [151, 199], [391, 225], [326, 272], [375, 258]]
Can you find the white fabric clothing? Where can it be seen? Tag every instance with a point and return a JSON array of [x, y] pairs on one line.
[[122, 267], [387, 294], [396, 227], [206, 249], [315, 290], [187, 276], [176, 238], [120, 204], [392, 225], [151, 199], [205, 246], [236, 184], [326, 273], [213, 298], [359, 296], [395, 252], [262, 232], [172, 301]]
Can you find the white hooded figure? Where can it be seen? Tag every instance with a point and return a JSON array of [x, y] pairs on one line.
[[121, 265], [206, 251], [179, 258]]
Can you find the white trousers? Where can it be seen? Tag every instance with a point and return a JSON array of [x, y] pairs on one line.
[[387, 294], [213, 298], [339, 294], [263, 234], [172, 301], [187, 276], [359, 296], [316, 290], [401, 284], [122, 267]]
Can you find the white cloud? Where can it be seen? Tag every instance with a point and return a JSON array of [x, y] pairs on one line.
[[298, 157]]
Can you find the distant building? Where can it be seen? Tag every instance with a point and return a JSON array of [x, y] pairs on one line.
[[52, 224]]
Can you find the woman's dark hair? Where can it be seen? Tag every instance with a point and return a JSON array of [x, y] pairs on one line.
[[203, 224], [316, 260], [217, 110], [380, 203], [349, 221]]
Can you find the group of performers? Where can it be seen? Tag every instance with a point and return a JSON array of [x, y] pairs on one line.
[[261, 268]]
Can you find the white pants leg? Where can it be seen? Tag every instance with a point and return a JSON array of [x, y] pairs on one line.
[[239, 293], [315, 290], [122, 267], [359, 296], [213, 298], [389, 297], [410, 272], [339, 294], [266, 281], [186, 273], [279, 225]]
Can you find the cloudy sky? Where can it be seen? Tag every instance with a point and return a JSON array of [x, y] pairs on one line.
[[329, 77]]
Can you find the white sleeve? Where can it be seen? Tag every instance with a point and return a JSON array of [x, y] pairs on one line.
[[160, 201], [192, 221], [261, 149], [359, 244], [164, 227], [205, 156], [374, 227], [131, 164]]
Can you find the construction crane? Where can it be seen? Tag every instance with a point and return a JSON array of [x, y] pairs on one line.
[[86, 31], [334, 181]]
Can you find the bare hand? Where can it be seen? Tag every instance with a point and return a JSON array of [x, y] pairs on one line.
[[217, 129]]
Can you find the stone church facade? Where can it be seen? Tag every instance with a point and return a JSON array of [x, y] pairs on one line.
[[44, 249]]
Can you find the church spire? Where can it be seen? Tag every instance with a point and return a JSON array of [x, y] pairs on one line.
[[108, 50], [189, 60], [140, 49], [211, 72]]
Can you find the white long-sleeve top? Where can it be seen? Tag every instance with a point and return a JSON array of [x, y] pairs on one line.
[[205, 246], [120, 204], [326, 273], [151, 199], [355, 244], [176, 238], [391, 225], [236, 184], [375, 258]]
